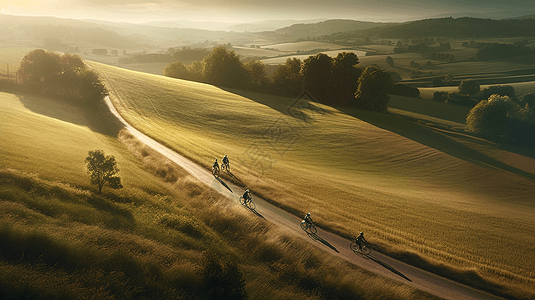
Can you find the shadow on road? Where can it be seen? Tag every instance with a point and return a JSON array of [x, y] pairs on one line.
[[254, 211], [232, 175], [223, 183], [316, 237], [382, 263]]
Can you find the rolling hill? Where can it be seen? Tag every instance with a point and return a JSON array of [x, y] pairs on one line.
[[446, 27], [410, 188], [151, 239]]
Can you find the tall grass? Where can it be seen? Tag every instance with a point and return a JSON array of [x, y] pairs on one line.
[[409, 188], [51, 256]]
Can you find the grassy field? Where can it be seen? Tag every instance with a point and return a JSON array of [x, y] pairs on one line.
[[11, 56], [61, 240], [521, 88], [454, 201]]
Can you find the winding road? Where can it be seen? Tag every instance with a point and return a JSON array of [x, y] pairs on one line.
[[376, 262]]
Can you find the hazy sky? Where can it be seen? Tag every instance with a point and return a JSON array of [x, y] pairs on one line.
[[251, 10]]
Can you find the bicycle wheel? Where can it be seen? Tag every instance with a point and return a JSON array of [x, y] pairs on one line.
[[354, 246], [304, 225], [242, 201], [366, 250], [251, 205], [313, 228]]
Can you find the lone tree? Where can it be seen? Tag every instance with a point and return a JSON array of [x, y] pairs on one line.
[[102, 170]]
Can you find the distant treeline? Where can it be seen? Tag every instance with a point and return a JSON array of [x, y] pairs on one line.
[[331, 80], [445, 27], [185, 55]]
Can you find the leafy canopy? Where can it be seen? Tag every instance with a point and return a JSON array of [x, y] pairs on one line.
[[102, 170]]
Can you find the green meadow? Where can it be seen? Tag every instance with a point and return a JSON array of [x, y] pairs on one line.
[[451, 203]]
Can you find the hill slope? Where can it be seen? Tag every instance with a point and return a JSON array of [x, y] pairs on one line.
[[448, 27], [406, 186]]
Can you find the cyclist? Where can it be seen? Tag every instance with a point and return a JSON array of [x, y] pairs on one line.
[[308, 219], [247, 196], [216, 165], [225, 161], [360, 239]]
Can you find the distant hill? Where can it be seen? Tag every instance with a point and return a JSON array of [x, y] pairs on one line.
[[190, 24], [64, 30], [304, 31], [100, 33], [269, 25], [446, 27]]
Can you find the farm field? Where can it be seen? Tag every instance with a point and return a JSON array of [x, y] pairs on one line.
[[521, 88], [302, 46], [410, 188]]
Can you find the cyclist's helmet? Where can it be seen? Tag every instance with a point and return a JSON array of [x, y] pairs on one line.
[[216, 159], [247, 190], [308, 214], [225, 155], [361, 233]]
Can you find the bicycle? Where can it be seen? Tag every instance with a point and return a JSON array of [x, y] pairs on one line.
[[247, 203], [366, 250], [305, 226], [215, 172], [225, 167]]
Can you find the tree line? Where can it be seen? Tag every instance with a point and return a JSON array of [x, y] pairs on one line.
[[331, 80], [60, 76]]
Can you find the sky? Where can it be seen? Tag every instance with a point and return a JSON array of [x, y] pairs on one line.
[[241, 11]]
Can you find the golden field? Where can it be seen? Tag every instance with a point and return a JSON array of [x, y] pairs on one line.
[[458, 202], [61, 240]]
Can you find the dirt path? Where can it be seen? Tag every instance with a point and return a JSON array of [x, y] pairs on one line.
[[376, 262]]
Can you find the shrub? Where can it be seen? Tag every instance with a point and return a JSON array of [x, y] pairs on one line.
[[222, 279], [440, 96], [502, 90], [469, 87]]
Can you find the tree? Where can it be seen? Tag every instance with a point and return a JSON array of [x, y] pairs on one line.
[[493, 117], [176, 70], [469, 87], [317, 75], [224, 68], [287, 79], [373, 86], [256, 71], [345, 74], [390, 61], [102, 170]]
